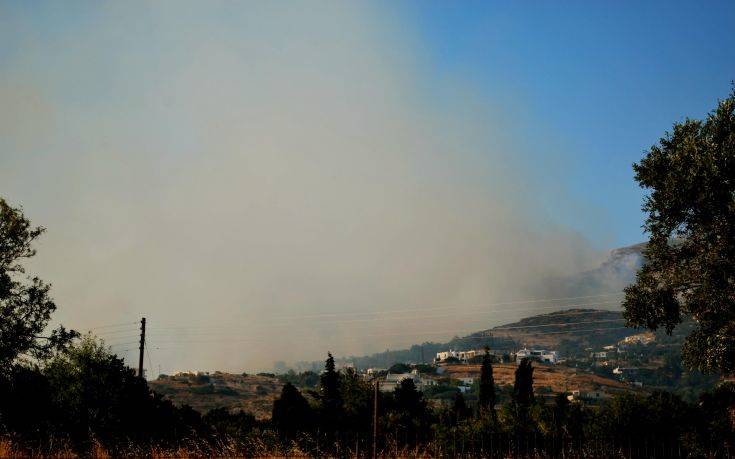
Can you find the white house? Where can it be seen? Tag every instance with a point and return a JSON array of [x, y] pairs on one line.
[[540, 354], [393, 380], [459, 355]]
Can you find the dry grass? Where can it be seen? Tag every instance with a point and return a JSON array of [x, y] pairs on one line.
[[557, 378]]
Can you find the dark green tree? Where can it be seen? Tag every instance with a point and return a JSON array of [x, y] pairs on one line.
[[523, 385], [690, 257], [408, 413], [25, 304], [398, 368], [487, 385], [357, 396], [230, 427], [292, 412], [103, 400], [332, 405], [638, 420], [460, 411]]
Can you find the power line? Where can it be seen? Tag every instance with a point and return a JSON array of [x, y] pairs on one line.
[[538, 300], [216, 328], [378, 335], [186, 334], [121, 324]]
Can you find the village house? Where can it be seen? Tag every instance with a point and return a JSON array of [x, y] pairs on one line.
[[462, 356], [541, 355], [393, 380]]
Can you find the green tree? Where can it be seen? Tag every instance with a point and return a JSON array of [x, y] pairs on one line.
[[103, 400], [460, 411], [332, 405], [398, 368], [487, 384], [517, 416], [690, 256], [291, 411], [523, 385], [409, 416], [25, 304], [357, 396]]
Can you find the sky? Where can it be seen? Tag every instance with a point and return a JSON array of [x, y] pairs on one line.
[[270, 181]]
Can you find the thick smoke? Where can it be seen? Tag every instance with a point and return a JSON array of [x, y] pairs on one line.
[[267, 184]]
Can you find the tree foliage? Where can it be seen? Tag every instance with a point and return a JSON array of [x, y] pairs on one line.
[[523, 385], [487, 384], [86, 395], [25, 303], [690, 257], [291, 411], [332, 405]]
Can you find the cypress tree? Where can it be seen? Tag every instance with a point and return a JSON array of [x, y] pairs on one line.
[[331, 399], [460, 407], [487, 384], [523, 386]]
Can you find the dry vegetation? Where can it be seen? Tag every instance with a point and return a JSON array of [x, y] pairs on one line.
[[251, 393], [556, 378]]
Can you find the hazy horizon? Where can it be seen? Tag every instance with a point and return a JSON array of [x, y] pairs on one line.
[[268, 184]]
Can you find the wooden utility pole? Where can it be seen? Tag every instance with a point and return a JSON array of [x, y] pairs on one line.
[[375, 419], [142, 347]]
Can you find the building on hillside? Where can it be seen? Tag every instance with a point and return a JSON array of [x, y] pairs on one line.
[[598, 355], [393, 380], [462, 356], [442, 356], [588, 396], [625, 373], [641, 338], [541, 355]]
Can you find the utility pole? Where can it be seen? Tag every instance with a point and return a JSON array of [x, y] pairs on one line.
[[375, 419], [142, 347]]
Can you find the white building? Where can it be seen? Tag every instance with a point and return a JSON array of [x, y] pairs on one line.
[[393, 380], [540, 354], [463, 356]]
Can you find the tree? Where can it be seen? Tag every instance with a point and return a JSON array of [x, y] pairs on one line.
[[332, 406], [690, 256], [487, 384], [357, 397], [25, 304], [460, 409], [398, 368], [291, 412], [409, 415], [523, 385], [103, 400]]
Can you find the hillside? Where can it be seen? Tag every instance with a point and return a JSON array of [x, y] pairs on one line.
[[558, 379], [577, 328], [203, 392], [570, 331], [612, 275]]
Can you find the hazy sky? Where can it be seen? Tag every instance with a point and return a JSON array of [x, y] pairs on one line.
[[269, 181]]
